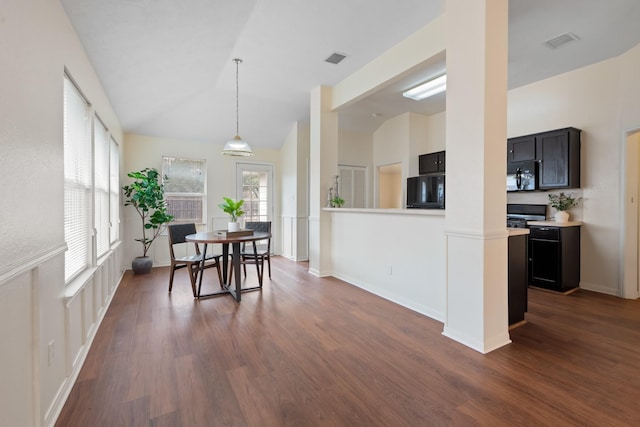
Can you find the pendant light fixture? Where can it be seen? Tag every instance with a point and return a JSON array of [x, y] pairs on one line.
[[237, 146]]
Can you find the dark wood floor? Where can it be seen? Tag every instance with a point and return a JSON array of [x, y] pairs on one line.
[[318, 352]]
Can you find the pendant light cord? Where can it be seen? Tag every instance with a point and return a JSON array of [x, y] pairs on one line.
[[237, 61]]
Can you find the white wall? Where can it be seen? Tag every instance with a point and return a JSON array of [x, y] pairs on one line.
[[36, 309], [356, 149], [399, 256], [400, 140], [436, 132], [294, 160], [602, 99], [418, 141], [630, 121], [588, 99], [145, 151], [630, 235]]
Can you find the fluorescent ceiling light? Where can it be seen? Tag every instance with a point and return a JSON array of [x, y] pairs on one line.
[[427, 89]]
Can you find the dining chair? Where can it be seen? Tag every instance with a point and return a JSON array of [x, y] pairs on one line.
[[193, 263], [263, 249]]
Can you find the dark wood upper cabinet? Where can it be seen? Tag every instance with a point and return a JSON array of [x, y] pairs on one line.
[[431, 163], [521, 149], [557, 153]]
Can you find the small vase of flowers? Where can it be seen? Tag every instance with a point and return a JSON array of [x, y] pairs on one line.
[[562, 202]]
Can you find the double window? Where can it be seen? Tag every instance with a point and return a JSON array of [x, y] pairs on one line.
[[91, 183]]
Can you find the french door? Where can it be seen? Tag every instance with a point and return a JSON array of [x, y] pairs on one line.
[[255, 187]]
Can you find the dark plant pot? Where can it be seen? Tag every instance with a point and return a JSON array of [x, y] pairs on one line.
[[141, 265]]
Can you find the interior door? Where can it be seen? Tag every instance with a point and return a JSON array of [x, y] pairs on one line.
[[352, 186]]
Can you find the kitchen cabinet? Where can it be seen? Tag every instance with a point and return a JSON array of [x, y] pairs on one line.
[[431, 163], [517, 273], [557, 153], [521, 149], [554, 257]]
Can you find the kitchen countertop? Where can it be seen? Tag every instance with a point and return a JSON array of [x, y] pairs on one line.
[[517, 231], [555, 224]]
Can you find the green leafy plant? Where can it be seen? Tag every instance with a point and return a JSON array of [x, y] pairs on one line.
[[146, 195], [232, 207], [563, 202], [337, 202]]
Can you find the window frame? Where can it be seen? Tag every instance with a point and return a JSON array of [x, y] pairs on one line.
[[269, 168], [168, 195], [82, 254]]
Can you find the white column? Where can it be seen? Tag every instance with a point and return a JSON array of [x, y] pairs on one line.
[[476, 311], [323, 167]]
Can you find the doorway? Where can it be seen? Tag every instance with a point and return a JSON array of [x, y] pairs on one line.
[[631, 229], [255, 186], [390, 186]]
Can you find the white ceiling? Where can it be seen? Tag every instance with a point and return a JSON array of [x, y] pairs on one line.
[[167, 67]]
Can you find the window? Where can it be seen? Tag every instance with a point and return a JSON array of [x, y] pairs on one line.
[[255, 186], [77, 180], [91, 184], [114, 191], [185, 189], [101, 186]]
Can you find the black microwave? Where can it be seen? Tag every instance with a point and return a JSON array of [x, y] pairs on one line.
[[425, 192]]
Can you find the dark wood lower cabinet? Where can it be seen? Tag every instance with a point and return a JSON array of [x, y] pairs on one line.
[[517, 268], [554, 257]]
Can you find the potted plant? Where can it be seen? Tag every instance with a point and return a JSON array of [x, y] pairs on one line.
[[562, 202], [234, 209], [337, 202], [146, 195]]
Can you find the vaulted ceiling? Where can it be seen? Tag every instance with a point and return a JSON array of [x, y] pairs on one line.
[[167, 65]]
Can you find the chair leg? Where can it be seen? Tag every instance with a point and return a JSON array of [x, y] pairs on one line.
[[259, 268], [173, 270], [193, 273], [269, 264], [244, 266]]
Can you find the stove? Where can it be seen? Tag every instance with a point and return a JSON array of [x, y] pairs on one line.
[[519, 214]]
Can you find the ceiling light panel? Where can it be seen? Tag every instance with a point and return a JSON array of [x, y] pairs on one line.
[[427, 89]]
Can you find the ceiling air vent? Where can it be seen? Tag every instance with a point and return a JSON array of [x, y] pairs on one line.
[[561, 40], [336, 58]]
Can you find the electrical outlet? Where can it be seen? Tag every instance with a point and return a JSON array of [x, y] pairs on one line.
[[390, 270], [51, 352]]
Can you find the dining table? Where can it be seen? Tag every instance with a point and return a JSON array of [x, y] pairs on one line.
[[235, 240]]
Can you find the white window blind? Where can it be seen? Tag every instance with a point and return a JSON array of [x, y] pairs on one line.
[[114, 188], [77, 180], [185, 189], [101, 186]]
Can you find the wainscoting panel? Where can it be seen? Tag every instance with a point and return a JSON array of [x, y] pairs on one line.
[[295, 241], [287, 237], [17, 390], [47, 329], [84, 310]]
